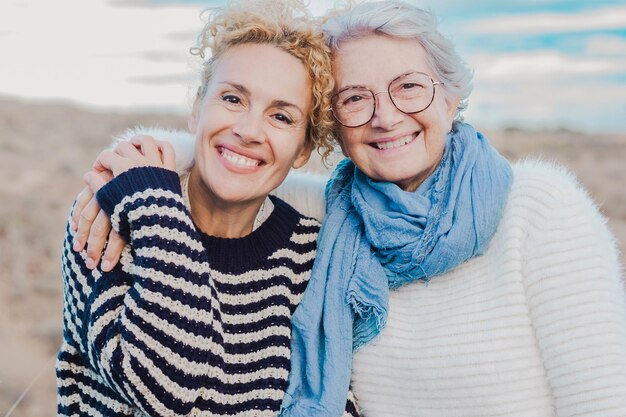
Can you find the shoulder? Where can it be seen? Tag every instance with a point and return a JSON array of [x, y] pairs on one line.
[[547, 200], [305, 192], [551, 172], [287, 211], [551, 205], [548, 184]]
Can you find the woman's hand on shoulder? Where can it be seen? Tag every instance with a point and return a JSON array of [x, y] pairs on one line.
[[92, 226], [140, 151]]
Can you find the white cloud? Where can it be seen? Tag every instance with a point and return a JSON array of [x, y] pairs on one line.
[[552, 96], [103, 53], [604, 45], [541, 23], [544, 63], [90, 51]]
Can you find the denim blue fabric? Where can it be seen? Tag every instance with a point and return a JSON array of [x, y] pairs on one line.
[[377, 237]]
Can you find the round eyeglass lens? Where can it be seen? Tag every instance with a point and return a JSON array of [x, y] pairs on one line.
[[412, 93], [354, 106]]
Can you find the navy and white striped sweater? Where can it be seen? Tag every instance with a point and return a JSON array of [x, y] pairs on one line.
[[186, 324]]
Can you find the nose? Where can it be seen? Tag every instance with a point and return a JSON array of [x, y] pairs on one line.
[[386, 115], [250, 127]]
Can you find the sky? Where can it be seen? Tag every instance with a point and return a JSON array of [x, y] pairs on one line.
[[537, 64]]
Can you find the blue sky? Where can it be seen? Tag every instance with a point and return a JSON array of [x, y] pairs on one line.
[[538, 64]]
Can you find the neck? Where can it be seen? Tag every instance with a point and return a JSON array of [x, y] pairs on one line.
[[217, 217], [413, 184]]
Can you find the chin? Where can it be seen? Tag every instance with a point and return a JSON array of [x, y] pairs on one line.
[[407, 182]]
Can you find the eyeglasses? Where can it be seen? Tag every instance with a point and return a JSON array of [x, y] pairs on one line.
[[410, 93]]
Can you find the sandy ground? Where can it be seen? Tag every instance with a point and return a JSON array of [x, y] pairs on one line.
[[45, 149]]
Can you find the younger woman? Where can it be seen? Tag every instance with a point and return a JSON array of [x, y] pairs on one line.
[[196, 318]]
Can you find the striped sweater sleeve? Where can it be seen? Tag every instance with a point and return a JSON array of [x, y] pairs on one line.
[[149, 328], [576, 300], [81, 390]]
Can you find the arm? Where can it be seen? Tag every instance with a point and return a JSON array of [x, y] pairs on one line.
[[92, 225], [577, 302], [78, 383], [148, 326], [304, 191]]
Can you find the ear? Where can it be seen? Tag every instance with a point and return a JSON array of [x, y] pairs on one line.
[[452, 104], [302, 158]]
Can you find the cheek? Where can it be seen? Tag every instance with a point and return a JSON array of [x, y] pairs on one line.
[[213, 117], [202, 141], [349, 139], [447, 113], [287, 147], [437, 119]]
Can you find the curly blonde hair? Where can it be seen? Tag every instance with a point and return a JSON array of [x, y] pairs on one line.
[[288, 25]]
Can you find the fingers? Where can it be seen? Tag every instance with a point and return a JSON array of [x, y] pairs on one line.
[[104, 161], [97, 180], [148, 147], [168, 155], [128, 149], [112, 161], [82, 200], [113, 251], [85, 219], [96, 241], [141, 150]]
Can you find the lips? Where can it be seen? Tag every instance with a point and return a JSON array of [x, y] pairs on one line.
[[394, 143], [238, 159]]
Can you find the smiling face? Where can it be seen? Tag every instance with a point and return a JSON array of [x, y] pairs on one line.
[[251, 125], [393, 146]]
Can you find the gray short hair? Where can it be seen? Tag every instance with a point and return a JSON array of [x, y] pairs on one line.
[[403, 20]]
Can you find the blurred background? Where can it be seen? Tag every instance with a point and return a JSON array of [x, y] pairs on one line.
[[550, 82]]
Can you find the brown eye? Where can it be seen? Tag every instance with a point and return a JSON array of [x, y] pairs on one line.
[[283, 118], [231, 99]]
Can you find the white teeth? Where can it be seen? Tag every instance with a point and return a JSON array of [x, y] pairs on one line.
[[239, 159], [394, 143]]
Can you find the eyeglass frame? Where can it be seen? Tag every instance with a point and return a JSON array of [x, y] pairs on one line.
[[434, 83]]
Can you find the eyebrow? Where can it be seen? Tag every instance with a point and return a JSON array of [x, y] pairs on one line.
[[275, 103], [237, 87], [349, 86]]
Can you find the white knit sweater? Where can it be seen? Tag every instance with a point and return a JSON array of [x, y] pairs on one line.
[[536, 327]]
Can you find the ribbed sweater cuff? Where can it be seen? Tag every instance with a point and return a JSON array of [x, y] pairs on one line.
[[136, 180]]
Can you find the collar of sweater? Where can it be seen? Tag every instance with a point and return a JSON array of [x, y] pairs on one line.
[[237, 255]]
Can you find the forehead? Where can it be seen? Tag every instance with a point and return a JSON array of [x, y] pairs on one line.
[[374, 60], [266, 71]]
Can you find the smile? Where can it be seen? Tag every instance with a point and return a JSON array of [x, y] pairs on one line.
[[404, 140], [237, 159]]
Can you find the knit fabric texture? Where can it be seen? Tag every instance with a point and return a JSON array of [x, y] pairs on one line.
[[186, 324], [536, 327]]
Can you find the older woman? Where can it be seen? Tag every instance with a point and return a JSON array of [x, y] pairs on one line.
[[195, 320], [464, 286], [506, 294]]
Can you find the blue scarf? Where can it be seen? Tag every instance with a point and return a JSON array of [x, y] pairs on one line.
[[375, 237]]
